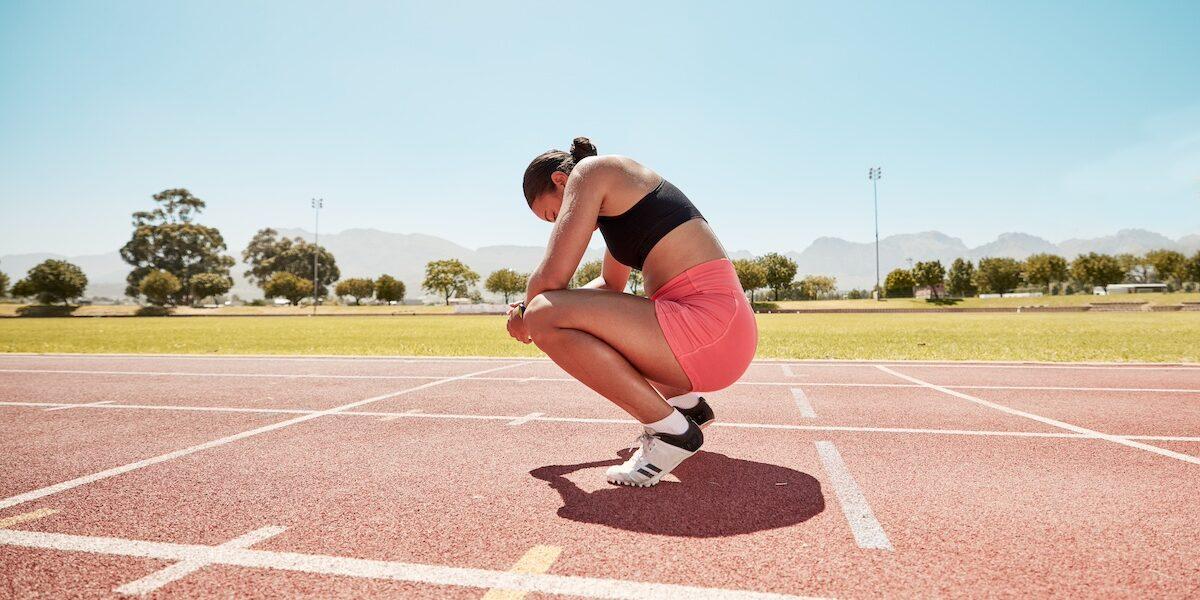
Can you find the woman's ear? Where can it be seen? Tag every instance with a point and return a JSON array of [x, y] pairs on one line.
[[559, 178]]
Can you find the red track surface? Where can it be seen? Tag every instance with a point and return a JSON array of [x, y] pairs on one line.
[[820, 479]]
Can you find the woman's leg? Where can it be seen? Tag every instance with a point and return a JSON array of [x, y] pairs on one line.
[[612, 343]]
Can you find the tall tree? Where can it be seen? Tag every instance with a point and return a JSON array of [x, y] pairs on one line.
[[356, 287], [448, 278], [506, 282], [1096, 269], [389, 289], [3, 284], [52, 281], [267, 254], [1044, 269], [587, 272], [899, 284], [817, 286], [930, 274], [961, 279], [636, 281], [286, 285], [780, 272], [159, 287], [1168, 265], [1136, 268], [167, 238], [998, 275], [751, 274], [1191, 269]]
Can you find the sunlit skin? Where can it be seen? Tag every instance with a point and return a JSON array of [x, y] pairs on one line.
[[608, 340]]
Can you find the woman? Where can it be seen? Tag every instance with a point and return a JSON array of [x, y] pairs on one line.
[[696, 333]]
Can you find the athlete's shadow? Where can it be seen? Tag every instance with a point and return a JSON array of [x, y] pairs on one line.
[[716, 496]]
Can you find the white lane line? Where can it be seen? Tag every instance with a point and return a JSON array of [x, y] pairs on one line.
[[89, 404], [538, 559], [113, 472], [421, 414], [787, 370], [280, 357], [802, 403], [525, 419], [393, 417], [572, 380], [7, 522], [868, 533], [564, 585], [184, 568], [1049, 421]]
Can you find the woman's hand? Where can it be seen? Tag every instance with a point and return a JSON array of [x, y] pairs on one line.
[[516, 324]]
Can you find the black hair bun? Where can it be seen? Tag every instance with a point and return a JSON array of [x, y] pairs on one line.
[[582, 148]]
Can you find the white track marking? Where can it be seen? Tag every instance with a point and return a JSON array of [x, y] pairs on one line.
[[572, 380], [414, 411], [391, 416], [525, 419], [802, 403], [1049, 421], [7, 522], [89, 404], [868, 533], [113, 472], [564, 585], [787, 370], [184, 568], [538, 559]]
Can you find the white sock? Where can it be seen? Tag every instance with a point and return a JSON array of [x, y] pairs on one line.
[[688, 400], [674, 424]]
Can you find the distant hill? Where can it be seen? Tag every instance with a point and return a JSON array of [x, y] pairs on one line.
[[371, 252]]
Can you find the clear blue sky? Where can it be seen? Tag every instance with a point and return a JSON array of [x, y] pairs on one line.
[[1069, 120]]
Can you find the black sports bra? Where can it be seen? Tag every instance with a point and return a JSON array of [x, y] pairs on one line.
[[631, 235]]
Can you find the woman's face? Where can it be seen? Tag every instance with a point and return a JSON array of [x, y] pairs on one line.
[[546, 206]]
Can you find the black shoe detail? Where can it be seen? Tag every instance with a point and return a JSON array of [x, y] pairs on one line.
[[645, 472], [701, 413], [690, 440], [656, 469]]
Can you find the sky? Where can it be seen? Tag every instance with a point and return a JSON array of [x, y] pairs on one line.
[[1056, 119]]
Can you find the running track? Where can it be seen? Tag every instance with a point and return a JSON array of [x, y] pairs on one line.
[[327, 477]]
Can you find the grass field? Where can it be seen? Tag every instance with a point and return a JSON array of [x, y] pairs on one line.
[[1161, 337], [11, 310], [1073, 300]]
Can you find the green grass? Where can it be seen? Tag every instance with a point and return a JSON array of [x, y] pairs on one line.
[[1161, 337], [1073, 300]]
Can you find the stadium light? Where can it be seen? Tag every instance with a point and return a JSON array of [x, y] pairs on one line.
[[874, 174], [317, 205]]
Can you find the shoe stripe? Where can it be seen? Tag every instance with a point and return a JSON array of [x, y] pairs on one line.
[[656, 469], [645, 472]]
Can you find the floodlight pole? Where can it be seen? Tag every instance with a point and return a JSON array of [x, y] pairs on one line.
[[317, 205], [874, 174]]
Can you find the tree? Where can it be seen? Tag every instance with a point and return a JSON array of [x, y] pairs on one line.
[[358, 287], [636, 282], [205, 285], [448, 277], [998, 275], [159, 287], [52, 281], [929, 274], [168, 239], [899, 284], [1169, 265], [1094, 269], [285, 285], [817, 286], [506, 282], [267, 254], [1136, 268], [389, 289], [3, 284], [1191, 269], [780, 271], [1043, 269], [586, 273], [961, 279], [751, 273]]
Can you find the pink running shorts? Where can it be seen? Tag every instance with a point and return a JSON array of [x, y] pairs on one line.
[[708, 323]]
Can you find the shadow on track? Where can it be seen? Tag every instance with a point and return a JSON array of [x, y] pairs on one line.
[[717, 496]]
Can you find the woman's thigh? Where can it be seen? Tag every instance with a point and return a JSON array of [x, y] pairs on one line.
[[626, 322]]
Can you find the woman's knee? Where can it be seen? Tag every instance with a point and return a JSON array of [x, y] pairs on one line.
[[540, 316]]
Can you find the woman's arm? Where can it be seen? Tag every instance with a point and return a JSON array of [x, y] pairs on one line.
[[611, 271], [573, 228]]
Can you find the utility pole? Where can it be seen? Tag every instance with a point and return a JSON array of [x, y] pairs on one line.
[[317, 205], [874, 174]]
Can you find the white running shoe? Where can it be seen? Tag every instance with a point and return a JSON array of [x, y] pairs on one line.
[[658, 455]]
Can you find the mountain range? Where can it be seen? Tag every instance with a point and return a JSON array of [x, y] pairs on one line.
[[370, 252]]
